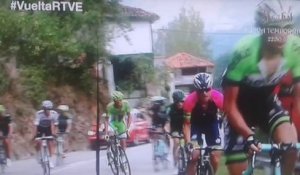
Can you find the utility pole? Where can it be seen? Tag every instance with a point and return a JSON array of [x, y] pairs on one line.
[[98, 110]]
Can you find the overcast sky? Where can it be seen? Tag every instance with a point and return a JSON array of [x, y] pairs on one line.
[[218, 15]]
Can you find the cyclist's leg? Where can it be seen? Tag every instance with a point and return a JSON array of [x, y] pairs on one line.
[[197, 140], [236, 159], [283, 131], [40, 132], [121, 128], [175, 146], [8, 149], [51, 143], [213, 139], [7, 143]]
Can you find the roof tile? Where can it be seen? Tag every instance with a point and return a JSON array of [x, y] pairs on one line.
[[185, 60]]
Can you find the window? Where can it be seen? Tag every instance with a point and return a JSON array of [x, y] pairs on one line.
[[193, 70]]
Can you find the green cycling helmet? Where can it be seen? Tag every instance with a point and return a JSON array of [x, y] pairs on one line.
[[117, 95], [273, 14], [178, 96]]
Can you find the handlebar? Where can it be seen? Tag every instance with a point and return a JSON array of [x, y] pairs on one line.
[[44, 138]]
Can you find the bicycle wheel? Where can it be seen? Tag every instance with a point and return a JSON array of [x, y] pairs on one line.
[[205, 169], [112, 160], [2, 171], [45, 160], [124, 163], [181, 161], [46, 167]]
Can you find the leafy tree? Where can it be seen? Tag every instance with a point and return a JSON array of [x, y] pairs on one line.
[[220, 66], [56, 47], [133, 71], [183, 34]]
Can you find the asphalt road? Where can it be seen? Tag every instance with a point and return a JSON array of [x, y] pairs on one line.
[[84, 163]]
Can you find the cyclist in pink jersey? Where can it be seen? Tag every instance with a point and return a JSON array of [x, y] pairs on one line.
[[201, 109]]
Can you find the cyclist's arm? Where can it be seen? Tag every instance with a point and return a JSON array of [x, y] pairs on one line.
[[127, 110], [10, 127], [296, 99], [128, 120], [106, 123], [188, 107], [54, 123], [69, 125], [187, 128], [233, 114], [36, 122]]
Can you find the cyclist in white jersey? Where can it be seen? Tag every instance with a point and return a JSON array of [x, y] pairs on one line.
[[45, 122]]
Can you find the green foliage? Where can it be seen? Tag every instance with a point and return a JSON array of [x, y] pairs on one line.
[[56, 47], [133, 71], [184, 34], [34, 82], [4, 81]]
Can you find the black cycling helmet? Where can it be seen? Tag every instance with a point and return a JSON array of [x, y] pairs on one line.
[[178, 96], [203, 81]]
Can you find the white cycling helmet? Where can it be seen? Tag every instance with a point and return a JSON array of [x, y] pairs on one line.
[[203, 81], [64, 108], [274, 13], [47, 104]]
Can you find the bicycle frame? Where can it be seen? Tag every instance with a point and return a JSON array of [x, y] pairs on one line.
[[275, 158], [60, 147], [182, 166], [44, 153], [114, 148]]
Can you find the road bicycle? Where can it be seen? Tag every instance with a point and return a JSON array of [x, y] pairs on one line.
[[182, 155], [44, 155], [3, 162], [60, 148], [160, 148], [275, 151], [204, 166], [116, 156]]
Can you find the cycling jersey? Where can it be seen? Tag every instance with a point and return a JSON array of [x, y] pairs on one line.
[[117, 116], [159, 115], [63, 122], [43, 122], [192, 100], [204, 120], [5, 120], [247, 68], [256, 100], [176, 118]]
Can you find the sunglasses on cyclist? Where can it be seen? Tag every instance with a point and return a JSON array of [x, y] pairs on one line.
[[204, 90]]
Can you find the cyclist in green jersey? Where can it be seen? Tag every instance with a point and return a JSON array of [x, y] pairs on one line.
[[116, 115], [257, 66]]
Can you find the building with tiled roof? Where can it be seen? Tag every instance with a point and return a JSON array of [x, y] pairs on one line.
[[129, 43], [185, 60], [134, 13], [183, 67]]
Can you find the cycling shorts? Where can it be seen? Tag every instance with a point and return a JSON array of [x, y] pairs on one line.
[[266, 115], [43, 131], [211, 132], [4, 131], [120, 127]]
